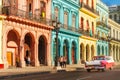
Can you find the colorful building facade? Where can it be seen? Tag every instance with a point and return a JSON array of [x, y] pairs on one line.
[[87, 17], [26, 32], [102, 29], [114, 49], [67, 13]]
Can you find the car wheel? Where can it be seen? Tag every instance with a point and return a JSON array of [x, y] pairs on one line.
[[111, 68], [103, 70], [88, 70], [98, 69]]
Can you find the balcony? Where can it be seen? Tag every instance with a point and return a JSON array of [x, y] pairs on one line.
[[115, 39], [102, 38], [12, 11], [87, 33], [102, 24], [71, 28], [83, 5]]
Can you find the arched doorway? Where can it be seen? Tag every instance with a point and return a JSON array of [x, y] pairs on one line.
[[42, 50], [73, 51], [29, 49], [98, 50], [87, 52], [65, 50], [12, 54], [92, 51], [82, 53]]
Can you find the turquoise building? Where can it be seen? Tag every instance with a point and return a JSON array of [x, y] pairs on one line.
[[102, 29], [67, 13]]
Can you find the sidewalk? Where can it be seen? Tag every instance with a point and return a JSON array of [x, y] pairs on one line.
[[35, 70]]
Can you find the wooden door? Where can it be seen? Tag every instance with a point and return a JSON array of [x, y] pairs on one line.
[[73, 56], [10, 58]]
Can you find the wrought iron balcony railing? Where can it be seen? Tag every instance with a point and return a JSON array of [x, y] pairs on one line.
[[13, 11], [115, 39], [103, 38], [102, 24], [83, 5]]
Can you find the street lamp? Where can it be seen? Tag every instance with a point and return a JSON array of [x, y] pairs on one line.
[[56, 25]]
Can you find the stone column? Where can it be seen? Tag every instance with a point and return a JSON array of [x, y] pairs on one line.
[[118, 55], [4, 50], [90, 54], [69, 55], [84, 53], [48, 54], [114, 53], [22, 61], [37, 63]]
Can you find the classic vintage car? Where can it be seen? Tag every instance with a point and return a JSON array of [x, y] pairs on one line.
[[100, 63]]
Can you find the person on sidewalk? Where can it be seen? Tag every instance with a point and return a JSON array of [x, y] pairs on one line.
[[64, 62], [17, 61], [28, 61], [61, 61]]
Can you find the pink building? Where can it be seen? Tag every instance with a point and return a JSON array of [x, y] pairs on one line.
[[26, 32]]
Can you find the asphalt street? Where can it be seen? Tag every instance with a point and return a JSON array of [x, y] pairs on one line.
[[71, 75]]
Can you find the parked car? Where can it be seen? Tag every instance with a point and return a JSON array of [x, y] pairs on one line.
[[100, 63]]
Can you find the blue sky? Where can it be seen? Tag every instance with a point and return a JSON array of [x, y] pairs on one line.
[[111, 2]]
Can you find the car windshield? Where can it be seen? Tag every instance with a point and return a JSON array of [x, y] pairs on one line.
[[99, 58]]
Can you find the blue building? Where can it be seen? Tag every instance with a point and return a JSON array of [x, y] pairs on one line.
[[102, 29], [67, 13]]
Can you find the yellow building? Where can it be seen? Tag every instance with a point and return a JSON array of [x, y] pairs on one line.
[[87, 18], [115, 40]]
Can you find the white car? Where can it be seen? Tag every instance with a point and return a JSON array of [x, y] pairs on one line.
[[100, 63]]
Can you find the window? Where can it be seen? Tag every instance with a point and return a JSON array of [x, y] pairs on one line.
[[117, 35], [87, 25], [73, 20], [56, 13], [87, 2], [92, 4], [110, 16], [113, 33], [115, 17], [65, 18], [43, 8], [82, 23], [92, 27]]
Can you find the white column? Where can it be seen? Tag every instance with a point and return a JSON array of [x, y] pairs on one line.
[[84, 53]]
